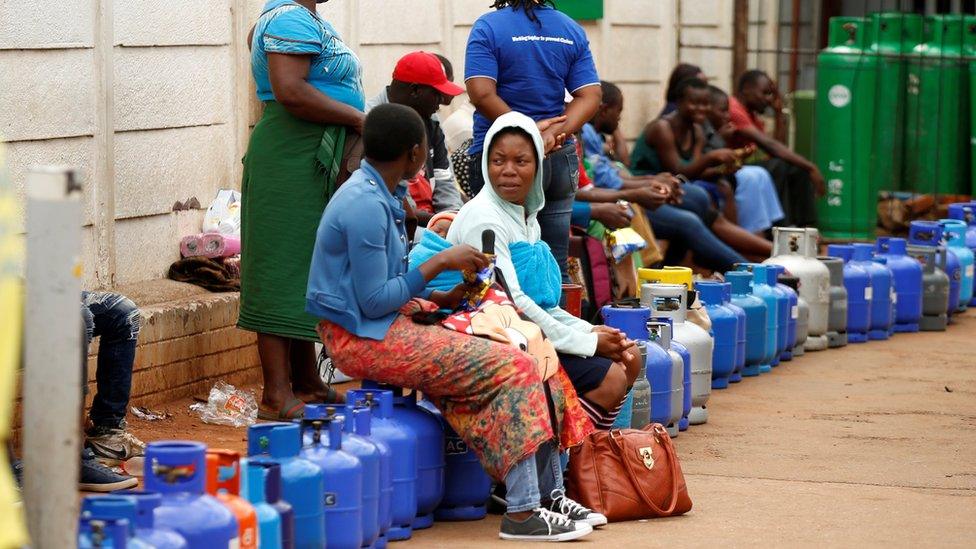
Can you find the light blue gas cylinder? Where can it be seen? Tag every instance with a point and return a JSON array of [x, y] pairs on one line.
[[269, 521], [685, 393], [302, 481], [771, 299], [272, 492], [756, 323], [954, 232], [774, 271], [966, 211], [177, 471]]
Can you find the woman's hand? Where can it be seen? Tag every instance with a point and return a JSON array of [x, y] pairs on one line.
[[651, 195], [449, 300], [611, 345], [552, 134], [612, 214], [722, 156], [462, 258]]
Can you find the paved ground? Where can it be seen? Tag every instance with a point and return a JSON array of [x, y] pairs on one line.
[[869, 445]]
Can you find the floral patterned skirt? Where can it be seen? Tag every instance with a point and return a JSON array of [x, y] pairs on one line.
[[490, 393]]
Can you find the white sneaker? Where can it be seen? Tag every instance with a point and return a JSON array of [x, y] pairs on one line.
[[563, 505]]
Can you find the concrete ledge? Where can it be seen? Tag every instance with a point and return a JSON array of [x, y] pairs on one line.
[[189, 340]]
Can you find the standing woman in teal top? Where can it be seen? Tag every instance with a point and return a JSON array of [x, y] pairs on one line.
[[311, 86]]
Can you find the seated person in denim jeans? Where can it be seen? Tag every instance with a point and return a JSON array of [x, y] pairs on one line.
[[115, 320], [682, 220]]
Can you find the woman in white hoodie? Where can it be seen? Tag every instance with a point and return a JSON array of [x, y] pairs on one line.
[[600, 361]]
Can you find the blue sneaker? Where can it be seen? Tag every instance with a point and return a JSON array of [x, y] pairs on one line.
[[96, 477]]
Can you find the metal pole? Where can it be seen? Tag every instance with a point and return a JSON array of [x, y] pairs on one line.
[[740, 39], [52, 351]]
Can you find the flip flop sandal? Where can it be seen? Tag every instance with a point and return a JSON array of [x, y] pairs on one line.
[[332, 397], [293, 408]]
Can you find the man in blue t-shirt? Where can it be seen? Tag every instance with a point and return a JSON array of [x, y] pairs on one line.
[[523, 57]]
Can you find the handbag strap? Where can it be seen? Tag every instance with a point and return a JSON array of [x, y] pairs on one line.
[[632, 475]]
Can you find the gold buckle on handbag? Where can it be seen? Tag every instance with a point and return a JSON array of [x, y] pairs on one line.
[[647, 456]]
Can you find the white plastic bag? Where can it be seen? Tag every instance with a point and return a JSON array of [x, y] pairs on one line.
[[224, 214], [228, 405]]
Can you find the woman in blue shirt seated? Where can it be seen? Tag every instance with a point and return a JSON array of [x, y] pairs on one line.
[[492, 394]]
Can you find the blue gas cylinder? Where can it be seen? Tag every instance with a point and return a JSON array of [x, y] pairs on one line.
[[792, 307], [269, 521], [301, 480], [880, 290], [430, 460], [114, 507], [954, 233], [682, 351], [775, 314], [857, 281], [356, 441], [666, 376], [930, 234], [467, 487], [724, 329], [342, 475], [402, 442], [177, 471], [104, 533], [966, 211], [756, 325], [784, 315], [740, 338], [906, 280], [632, 321], [146, 529], [272, 493]]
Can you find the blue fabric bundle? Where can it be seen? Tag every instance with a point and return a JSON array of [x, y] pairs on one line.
[[538, 273]]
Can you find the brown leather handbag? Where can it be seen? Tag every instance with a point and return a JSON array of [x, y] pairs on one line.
[[628, 474]]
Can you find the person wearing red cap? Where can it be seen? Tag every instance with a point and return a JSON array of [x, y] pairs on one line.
[[420, 81]]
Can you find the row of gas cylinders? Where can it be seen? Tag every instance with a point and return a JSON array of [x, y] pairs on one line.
[[361, 475], [796, 301], [895, 104], [386, 464]]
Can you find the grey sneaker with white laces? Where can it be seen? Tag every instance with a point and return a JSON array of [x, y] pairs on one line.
[[561, 504], [543, 525]]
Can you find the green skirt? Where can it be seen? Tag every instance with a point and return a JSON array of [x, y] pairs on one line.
[[290, 172]]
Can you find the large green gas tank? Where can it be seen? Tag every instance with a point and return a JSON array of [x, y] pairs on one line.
[[934, 139], [846, 79], [895, 35], [969, 55]]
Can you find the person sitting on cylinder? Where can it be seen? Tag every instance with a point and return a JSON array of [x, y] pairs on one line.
[[600, 361], [492, 394]]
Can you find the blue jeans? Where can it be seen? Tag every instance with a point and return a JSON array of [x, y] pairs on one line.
[[560, 179], [115, 319], [533, 477], [685, 231]]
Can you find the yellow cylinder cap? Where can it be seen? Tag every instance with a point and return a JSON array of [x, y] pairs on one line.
[[667, 275]]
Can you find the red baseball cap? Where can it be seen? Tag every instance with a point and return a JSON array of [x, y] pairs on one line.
[[425, 68]]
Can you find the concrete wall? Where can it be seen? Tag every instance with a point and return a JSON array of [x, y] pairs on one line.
[[153, 100]]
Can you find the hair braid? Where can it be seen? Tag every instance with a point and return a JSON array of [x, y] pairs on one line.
[[528, 6]]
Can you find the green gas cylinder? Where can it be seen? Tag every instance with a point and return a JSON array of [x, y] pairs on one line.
[[934, 141], [846, 80], [894, 36], [969, 57]]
